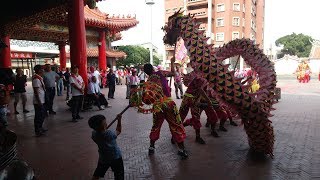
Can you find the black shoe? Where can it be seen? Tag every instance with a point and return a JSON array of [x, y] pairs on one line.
[[200, 140], [74, 120], [214, 134], [52, 112], [172, 141], [67, 99], [183, 154], [232, 123], [25, 111], [44, 130], [221, 128], [178, 97], [38, 134], [207, 124], [79, 117], [16, 112], [151, 150]]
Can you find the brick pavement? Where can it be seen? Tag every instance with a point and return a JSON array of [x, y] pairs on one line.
[[67, 152]]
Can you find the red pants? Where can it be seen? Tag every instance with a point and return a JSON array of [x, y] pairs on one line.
[[222, 114], [189, 103], [212, 117], [229, 114], [171, 114]]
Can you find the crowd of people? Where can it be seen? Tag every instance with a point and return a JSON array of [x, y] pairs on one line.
[[48, 82]]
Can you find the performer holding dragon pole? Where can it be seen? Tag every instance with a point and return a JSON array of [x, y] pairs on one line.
[[191, 100], [168, 111]]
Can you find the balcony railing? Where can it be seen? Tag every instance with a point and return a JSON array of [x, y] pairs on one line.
[[199, 13], [196, 2]]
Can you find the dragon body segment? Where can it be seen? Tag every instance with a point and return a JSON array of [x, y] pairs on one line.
[[254, 109]]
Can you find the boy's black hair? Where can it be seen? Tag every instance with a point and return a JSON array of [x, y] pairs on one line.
[[37, 68], [95, 121], [74, 67], [148, 69]]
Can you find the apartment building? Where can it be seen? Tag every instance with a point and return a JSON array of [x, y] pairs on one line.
[[223, 20]]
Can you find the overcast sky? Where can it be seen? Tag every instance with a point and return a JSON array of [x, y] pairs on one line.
[[282, 17]]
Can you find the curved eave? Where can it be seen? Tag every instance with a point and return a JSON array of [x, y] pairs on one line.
[[124, 25], [97, 18]]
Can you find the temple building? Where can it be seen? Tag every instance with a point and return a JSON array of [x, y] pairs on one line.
[[88, 31]]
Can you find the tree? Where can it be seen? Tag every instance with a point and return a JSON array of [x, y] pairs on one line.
[[295, 44], [136, 55]]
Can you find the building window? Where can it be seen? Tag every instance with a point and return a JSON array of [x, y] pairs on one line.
[[253, 11], [253, 25], [220, 7], [236, 6], [243, 8], [167, 11], [236, 21], [235, 35], [220, 22], [243, 22], [252, 37], [219, 37]]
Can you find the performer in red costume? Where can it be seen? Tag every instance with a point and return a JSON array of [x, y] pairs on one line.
[[168, 111], [191, 100], [221, 111]]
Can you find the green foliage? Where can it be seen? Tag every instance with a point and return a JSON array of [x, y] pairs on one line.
[[136, 55], [295, 44]]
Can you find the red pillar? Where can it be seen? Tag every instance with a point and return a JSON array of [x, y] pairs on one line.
[[77, 37], [5, 56], [62, 55], [102, 50]]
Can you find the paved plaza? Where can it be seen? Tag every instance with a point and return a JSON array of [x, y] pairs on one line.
[[68, 153]]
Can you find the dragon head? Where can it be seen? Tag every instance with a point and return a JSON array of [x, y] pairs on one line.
[[172, 28]]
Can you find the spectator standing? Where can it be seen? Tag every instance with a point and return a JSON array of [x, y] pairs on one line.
[[77, 86], [178, 82], [4, 101], [20, 83], [111, 77], [49, 78], [134, 82], [116, 72], [66, 80], [127, 75], [103, 76], [38, 100], [142, 76], [59, 82]]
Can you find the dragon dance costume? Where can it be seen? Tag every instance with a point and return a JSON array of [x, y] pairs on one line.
[[191, 101], [167, 109], [222, 112]]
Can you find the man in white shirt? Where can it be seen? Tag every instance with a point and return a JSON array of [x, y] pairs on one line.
[[77, 86], [95, 94], [39, 100], [95, 73], [142, 76], [128, 74]]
